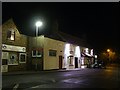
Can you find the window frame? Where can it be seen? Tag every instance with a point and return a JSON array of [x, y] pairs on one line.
[[37, 55], [12, 34], [20, 57], [52, 53]]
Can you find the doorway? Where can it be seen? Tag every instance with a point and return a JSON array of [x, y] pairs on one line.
[[60, 62], [76, 62]]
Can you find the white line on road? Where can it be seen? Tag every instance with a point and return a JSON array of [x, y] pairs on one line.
[[16, 86]]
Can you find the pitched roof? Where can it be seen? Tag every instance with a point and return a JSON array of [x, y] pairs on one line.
[[58, 35]]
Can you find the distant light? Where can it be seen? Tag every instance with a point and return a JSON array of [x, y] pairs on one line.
[[82, 60], [77, 51], [95, 56], [67, 49], [82, 66], [39, 24], [67, 53], [86, 50], [108, 50], [91, 52]]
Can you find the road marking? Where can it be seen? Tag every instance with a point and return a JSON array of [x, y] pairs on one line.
[[35, 87], [53, 80], [16, 86]]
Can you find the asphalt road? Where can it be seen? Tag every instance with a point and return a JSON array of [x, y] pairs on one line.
[[83, 78]]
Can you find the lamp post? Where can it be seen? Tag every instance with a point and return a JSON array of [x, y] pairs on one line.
[[108, 51], [37, 24]]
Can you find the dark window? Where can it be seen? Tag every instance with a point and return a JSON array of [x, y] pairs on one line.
[[39, 53], [52, 52], [34, 53], [8, 34], [4, 62], [22, 58]]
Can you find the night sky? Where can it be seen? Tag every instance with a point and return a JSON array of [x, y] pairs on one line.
[[97, 21]]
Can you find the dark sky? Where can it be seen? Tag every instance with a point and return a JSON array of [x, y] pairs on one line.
[[97, 21]]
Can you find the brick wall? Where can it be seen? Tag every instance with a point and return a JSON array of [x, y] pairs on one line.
[[20, 40]]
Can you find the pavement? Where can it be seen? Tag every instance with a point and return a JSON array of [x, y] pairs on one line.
[[36, 72]]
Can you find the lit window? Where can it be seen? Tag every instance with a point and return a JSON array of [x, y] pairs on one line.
[[37, 53], [11, 35]]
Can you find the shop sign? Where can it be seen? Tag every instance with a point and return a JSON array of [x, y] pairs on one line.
[[13, 48]]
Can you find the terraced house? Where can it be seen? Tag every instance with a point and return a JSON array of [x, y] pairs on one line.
[[57, 50], [13, 48]]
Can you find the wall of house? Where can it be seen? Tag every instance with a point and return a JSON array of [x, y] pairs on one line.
[[52, 62], [20, 41], [35, 44], [72, 56]]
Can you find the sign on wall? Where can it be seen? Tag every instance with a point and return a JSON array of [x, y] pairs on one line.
[[13, 48]]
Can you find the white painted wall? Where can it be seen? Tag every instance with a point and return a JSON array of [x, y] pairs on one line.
[[51, 62], [76, 53]]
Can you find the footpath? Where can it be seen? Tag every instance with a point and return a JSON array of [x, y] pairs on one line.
[[36, 72], [44, 71]]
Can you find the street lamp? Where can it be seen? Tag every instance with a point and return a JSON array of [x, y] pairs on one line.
[[108, 51], [37, 24]]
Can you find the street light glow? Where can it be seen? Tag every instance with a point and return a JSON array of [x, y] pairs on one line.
[[108, 50], [39, 24]]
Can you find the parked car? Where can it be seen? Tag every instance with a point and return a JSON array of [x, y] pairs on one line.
[[99, 65]]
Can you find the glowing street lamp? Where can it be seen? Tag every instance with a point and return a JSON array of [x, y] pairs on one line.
[[108, 50], [37, 24]]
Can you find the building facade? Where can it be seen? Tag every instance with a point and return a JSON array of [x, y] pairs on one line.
[[13, 48], [20, 52], [50, 54]]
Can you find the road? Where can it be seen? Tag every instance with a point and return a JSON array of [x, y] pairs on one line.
[[83, 78]]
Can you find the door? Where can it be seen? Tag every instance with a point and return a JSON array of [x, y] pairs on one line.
[[76, 62], [60, 62]]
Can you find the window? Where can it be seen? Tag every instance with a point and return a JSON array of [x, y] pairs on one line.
[[36, 53], [13, 59], [52, 52], [39, 53], [11, 35], [22, 58]]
